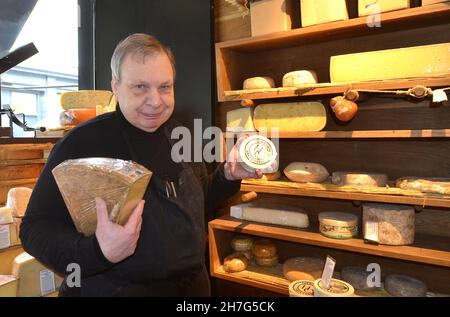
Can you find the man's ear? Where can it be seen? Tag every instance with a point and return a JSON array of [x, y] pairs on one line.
[[114, 84]]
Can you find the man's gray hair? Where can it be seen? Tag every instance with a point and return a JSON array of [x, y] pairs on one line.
[[138, 43]]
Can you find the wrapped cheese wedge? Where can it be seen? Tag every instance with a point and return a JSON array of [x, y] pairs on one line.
[[120, 183], [76, 116]]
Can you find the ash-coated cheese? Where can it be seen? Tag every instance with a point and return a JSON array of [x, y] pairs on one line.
[[121, 184], [338, 225], [322, 11], [304, 172], [240, 120], [404, 286], [357, 277], [303, 268], [389, 224], [299, 78], [359, 179], [17, 200], [258, 83], [371, 7]]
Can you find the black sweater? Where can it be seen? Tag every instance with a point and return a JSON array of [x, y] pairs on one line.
[[172, 239]]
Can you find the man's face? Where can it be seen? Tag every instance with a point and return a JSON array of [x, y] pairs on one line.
[[145, 90]]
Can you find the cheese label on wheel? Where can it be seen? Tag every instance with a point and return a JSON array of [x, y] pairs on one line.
[[301, 288], [47, 282], [258, 152], [5, 238], [371, 230], [337, 288]]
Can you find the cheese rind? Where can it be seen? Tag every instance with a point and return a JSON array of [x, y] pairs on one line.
[[338, 225], [285, 216], [240, 120], [6, 215], [359, 179], [322, 11], [264, 249], [372, 7], [299, 78], [303, 268], [404, 286], [258, 83], [290, 117], [304, 172], [420, 61]]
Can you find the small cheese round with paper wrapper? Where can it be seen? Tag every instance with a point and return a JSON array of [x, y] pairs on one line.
[[337, 288], [301, 288], [257, 152]]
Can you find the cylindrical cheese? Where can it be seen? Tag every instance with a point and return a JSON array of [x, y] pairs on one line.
[[388, 224], [357, 277], [337, 288], [258, 83], [404, 286], [304, 172], [352, 178], [242, 243], [258, 153], [301, 288], [338, 225], [299, 78], [303, 268], [264, 248], [235, 262]]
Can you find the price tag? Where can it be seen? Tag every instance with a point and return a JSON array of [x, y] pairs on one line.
[[371, 231], [328, 271], [47, 279]]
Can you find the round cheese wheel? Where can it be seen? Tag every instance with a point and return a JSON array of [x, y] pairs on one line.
[[301, 288], [258, 83], [242, 243], [303, 268], [258, 152], [304, 172], [337, 288], [264, 248], [299, 78], [338, 225], [235, 262], [267, 262], [359, 179], [404, 286], [357, 277]]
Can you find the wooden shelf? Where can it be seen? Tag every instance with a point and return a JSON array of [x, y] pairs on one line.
[[419, 252], [368, 134], [384, 195], [335, 89]]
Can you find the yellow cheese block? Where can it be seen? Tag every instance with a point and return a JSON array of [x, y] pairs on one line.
[[269, 16], [35, 279], [240, 120], [290, 117], [370, 7], [85, 99], [428, 2], [322, 11], [410, 62], [8, 286]]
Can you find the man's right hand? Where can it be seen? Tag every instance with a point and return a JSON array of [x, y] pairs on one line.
[[117, 242]]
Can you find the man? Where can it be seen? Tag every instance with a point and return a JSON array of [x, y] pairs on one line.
[[160, 251]]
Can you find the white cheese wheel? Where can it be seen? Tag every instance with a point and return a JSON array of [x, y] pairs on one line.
[[258, 153], [404, 286], [299, 78], [264, 249], [235, 262], [267, 262], [337, 288], [359, 179], [357, 277], [303, 268], [6, 215], [242, 243], [304, 172], [240, 120], [338, 225], [17, 200], [388, 224], [277, 215], [258, 83], [301, 288]]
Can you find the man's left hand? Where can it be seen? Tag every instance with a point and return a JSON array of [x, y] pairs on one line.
[[234, 170]]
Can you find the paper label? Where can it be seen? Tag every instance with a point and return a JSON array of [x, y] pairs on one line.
[[5, 237], [439, 95], [47, 279], [328, 272], [371, 231]]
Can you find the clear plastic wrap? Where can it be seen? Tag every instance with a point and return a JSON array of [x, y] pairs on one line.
[[121, 184]]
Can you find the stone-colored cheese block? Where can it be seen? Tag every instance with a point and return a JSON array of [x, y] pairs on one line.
[[17, 200], [404, 286], [420, 61], [299, 78], [264, 249], [357, 277], [6, 215], [290, 117], [269, 16], [425, 184], [258, 83], [372, 7], [240, 120], [235, 262], [120, 183], [338, 225], [388, 224], [282, 215], [301, 288], [35, 279], [8, 286], [304, 172], [337, 288], [85, 99], [322, 11], [359, 179], [267, 262], [303, 268], [242, 243]]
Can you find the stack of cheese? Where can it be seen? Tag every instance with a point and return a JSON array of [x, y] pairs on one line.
[[238, 261], [265, 253], [8, 229]]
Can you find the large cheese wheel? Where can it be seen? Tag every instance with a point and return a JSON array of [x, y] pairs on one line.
[[301, 288], [76, 116], [388, 224], [242, 243], [425, 184], [338, 225], [258, 83], [290, 117], [404, 286], [121, 184], [303, 268], [299, 78], [337, 288], [17, 200], [359, 179], [264, 248], [235, 262], [85, 99], [357, 277], [304, 172]]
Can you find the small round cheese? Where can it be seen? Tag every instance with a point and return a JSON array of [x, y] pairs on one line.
[[258, 152], [299, 78], [264, 248], [301, 288], [267, 262], [304, 172], [303, 268], [357, 277], [242, 243], [235, 262], [258, 83], [404, 286], [337, 288], [338, 225]]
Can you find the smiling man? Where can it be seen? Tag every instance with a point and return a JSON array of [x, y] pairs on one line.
[[161, 250]]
